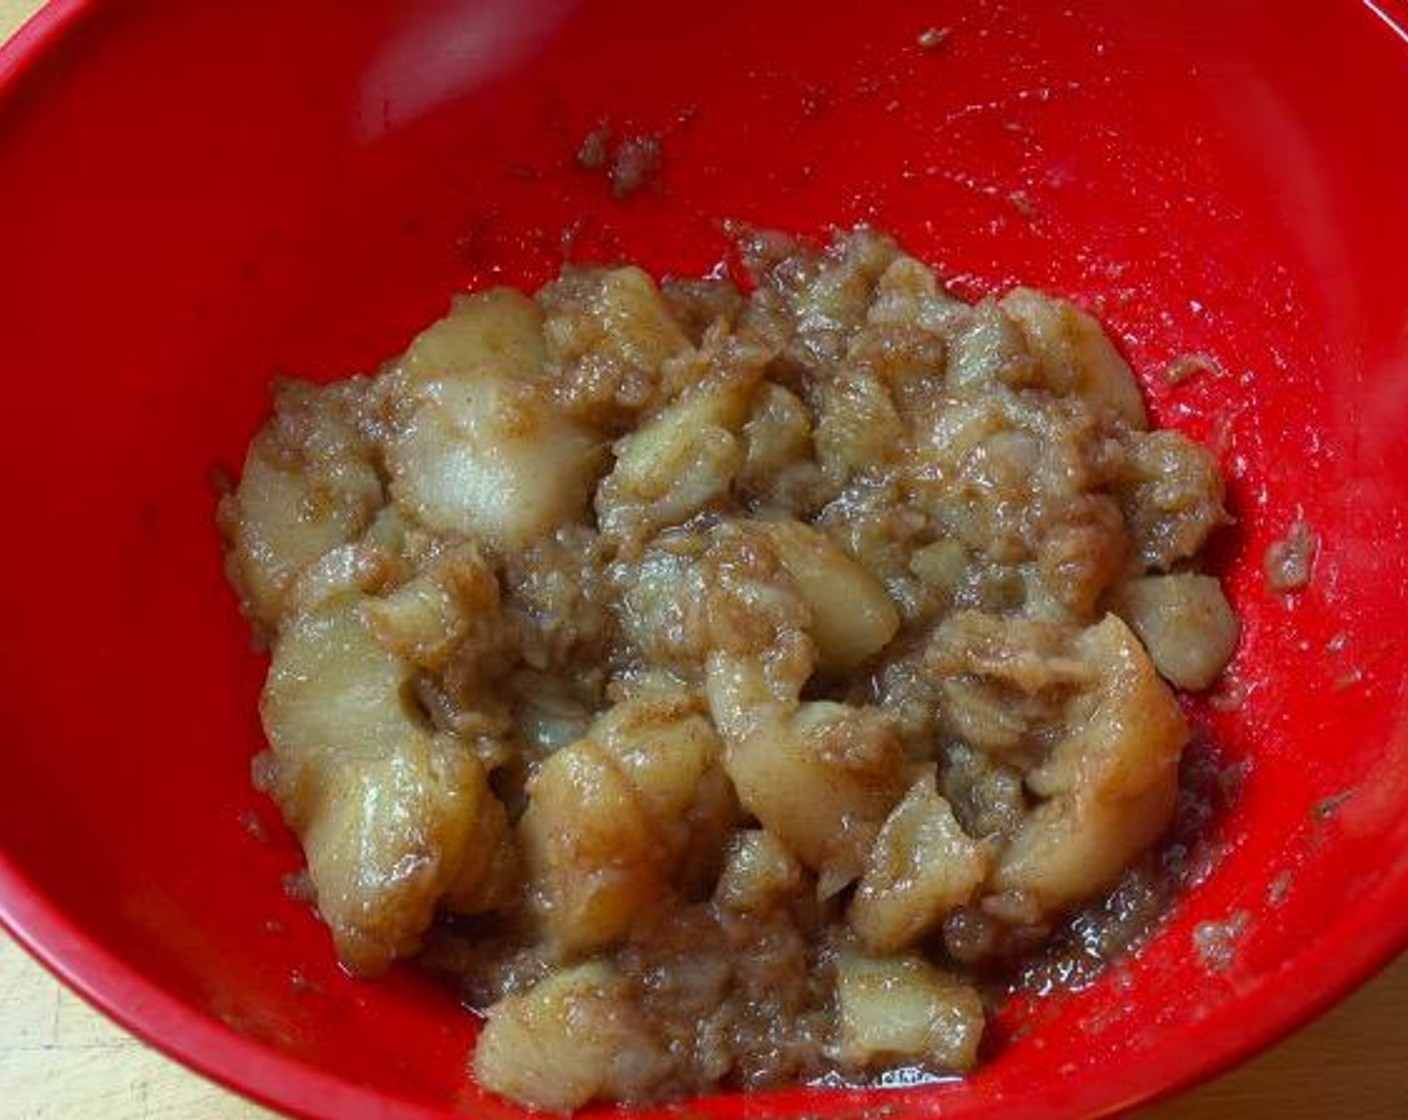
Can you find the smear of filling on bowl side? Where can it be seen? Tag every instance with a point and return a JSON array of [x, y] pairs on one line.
[[713, 686]]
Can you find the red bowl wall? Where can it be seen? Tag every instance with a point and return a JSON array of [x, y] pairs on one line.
[[197, 196]]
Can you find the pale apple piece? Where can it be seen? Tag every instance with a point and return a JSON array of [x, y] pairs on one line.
[[591, 855], [1074, 355], [1171, 495], [499, 332], [613, 818], [679, 462], [307, 487], [853, 617], [332, 690], [820, 776], [858, 427], [1184, 621], [778, 466], [489, 458], [1109, 786], [987, 348], [573, 1038], [393, 838], [904, 1011], [394, 820], [921, 867], [611, 340], [908, 294], [626, 322], [822, 780], [427, 617], [760, 873]]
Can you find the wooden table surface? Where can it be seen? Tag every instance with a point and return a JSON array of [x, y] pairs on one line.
[[60, 1060]]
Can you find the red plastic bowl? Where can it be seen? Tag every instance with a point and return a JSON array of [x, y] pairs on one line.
[[197, 196]]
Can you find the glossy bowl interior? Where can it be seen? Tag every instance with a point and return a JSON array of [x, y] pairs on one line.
[[197, 196]]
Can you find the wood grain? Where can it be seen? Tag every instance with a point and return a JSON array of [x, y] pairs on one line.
[[60, 1060]]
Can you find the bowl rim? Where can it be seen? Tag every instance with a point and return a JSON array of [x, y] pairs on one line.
[[1373, 933]]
